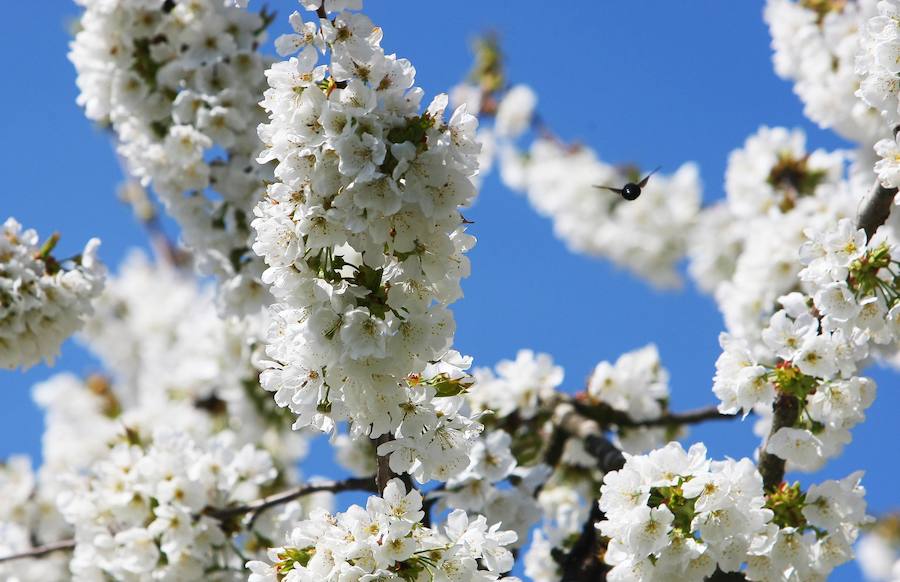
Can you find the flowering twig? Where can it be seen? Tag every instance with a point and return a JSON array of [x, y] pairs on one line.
[[260, 505], [254, 508], [40, 551], [875, 211], [606, 415]]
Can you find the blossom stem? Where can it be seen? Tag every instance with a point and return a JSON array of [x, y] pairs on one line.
[[606, 416], [260, 505], [41, 551]]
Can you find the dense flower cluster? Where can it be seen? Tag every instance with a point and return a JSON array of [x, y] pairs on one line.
[[386, 540], [365, 244], [519, 385], [806, 361], [815, 45], [674, 514], [813, 347], [879, 86], [647, 236], [28, 518], [139, 513], [561, 182], [811, 533], [857, 282], [637, 385], [176, 360], [179, 84], [744, 249], [43, 300]]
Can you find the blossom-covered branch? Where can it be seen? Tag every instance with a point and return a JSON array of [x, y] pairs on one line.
[[40, 551], [260, 505]]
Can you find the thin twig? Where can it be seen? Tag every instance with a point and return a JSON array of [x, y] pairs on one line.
[[607, 416], [254, 508], [260, 505], [41, 551]]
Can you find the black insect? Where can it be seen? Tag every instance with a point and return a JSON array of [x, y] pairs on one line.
[[631, 191]]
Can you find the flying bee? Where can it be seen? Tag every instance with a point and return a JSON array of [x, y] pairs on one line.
[[631, 191]]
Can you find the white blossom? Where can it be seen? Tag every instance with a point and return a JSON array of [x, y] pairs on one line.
[[43, 300]]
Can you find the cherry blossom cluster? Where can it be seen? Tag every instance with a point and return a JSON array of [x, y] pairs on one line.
[[814, 346], [177, 360], [879, 86], [522, 385], [811, 532], [365, 244], [808, 362], [638, 386], [386, 540], [857, 282], [523, 396], [744, 249], [647, 236], [495, 487], [179, 83], [139, 512], [878, 550], [28, 517], [815, 45], [674, 514], [43, 299]]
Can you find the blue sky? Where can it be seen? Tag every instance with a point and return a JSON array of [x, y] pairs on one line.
[[654, 82]]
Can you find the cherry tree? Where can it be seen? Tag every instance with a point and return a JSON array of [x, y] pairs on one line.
[[320, 199]]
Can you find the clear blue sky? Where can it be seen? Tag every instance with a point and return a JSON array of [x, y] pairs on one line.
[[655, 81]]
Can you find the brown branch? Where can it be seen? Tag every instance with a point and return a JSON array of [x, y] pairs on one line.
[[785, 410], [584, 561], [260, 505], [40, 551], [606, 416], [876, 209], [254, 508], [383, 471], [720, 576]]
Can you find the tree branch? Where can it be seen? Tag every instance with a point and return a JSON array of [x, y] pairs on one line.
[[383, 472], [876, 209], [606, 416], [720, 576], [40, 551], [785, 410], [584, 561], [254, 508], [260, 505]]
